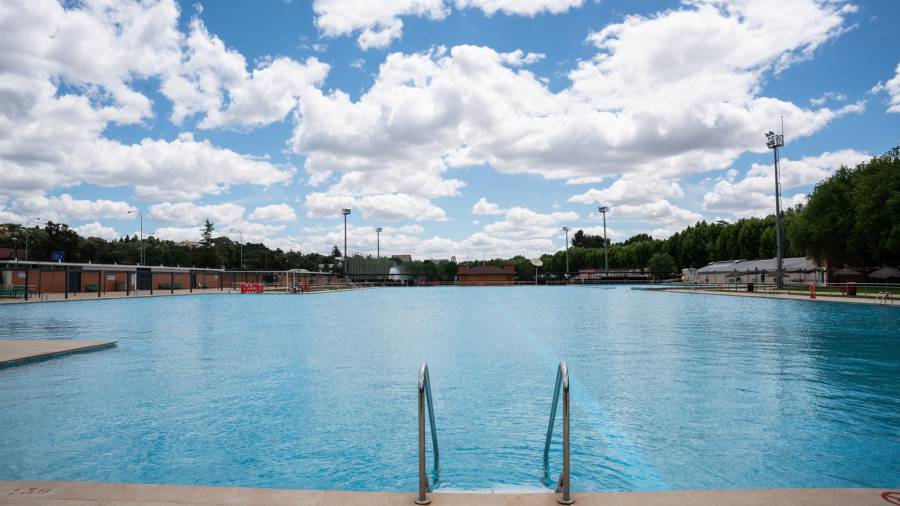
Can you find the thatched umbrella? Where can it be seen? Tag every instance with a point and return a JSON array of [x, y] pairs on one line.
[[885, 273]]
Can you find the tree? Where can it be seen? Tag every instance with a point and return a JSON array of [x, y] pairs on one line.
[[209, 257], [661, 265], [335, 252]]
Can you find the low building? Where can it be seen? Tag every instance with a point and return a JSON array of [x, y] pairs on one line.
[[795, 270], [613, 275], [487, 275]]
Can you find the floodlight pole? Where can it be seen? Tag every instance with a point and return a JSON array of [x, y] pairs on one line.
[[566, 230], [27, 225], [773, 142], [378, 242], [345, 212], [142, 234], [604, 209]]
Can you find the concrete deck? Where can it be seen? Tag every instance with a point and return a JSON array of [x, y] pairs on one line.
[[65, 493], [59, 297], [786, 296], [21, 351]]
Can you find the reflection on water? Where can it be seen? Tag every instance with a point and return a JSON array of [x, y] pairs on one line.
[[669, 391]]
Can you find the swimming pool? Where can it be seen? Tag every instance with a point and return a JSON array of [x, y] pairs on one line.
[[669, 391]]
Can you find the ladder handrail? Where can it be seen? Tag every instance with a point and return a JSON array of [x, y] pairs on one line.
[[564, 483], [425, 396]]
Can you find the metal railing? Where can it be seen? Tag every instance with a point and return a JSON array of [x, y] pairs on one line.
[[425, 396], [563, 484]]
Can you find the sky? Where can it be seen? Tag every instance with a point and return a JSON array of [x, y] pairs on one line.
[[466, 128]]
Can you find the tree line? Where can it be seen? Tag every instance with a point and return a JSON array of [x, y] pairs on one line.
[[852, 217]]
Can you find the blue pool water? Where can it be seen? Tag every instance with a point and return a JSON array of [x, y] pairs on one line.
[[669, 391]]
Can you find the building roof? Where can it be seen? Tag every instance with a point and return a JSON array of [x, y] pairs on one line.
[[793, 264]]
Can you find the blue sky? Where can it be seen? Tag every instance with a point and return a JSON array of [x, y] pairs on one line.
[[470, 128]]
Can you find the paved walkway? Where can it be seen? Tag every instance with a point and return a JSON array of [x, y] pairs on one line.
[[788, 296], [19, 351], [63, 493]]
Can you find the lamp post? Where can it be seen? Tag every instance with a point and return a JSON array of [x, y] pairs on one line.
[[603, 210], [378, 242], [773, 142], [566, 230], [27, 226], [345, 212], [242, 245], [142, 234]]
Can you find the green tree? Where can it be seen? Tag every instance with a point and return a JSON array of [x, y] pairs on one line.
[[661, 265]]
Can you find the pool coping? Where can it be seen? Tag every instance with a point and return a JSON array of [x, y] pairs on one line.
[[72, 493], [38, 350]]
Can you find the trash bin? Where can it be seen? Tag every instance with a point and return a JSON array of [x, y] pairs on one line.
[[851, 289], [750, 287]]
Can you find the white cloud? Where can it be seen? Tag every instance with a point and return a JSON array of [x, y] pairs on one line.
[[673, 94], [892, 88], [828, 95], [188, 213], [521, 232], [632, 189], [67, 75], [520, 7], [210, 76], [274, 212], [754, 195], [519, 58], [379, 23], [95, 229], [486, 208], [64, 207], [661, 212], [390, 207]]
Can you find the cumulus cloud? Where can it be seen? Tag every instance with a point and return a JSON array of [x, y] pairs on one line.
[[485, 207], [754, 195], [95, 229], [210, 76], [521, 231], [67, 74], [379, 23], [892, 88], [390, 207], [631, 189], [64, 207], [668, 95], [188, 213], [274, 212]]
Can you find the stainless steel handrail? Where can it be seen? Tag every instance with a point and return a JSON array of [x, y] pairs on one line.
[[425, 395], [564, 483]]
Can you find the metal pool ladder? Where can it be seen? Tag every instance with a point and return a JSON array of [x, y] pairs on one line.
[[425, 395], [563, 484]]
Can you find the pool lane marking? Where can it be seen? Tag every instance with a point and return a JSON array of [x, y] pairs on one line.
[[621, 447]]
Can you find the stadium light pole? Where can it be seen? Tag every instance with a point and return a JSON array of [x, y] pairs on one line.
[[773, 142], [27, 225], [378, 242], [603, 210], [242, 245], [345, 212], [566, 230], [142, 233]]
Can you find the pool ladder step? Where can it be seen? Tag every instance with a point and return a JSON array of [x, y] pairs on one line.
[[563, 484]]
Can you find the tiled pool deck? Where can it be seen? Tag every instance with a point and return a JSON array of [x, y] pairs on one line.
[[66, 493], [22, 351]]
